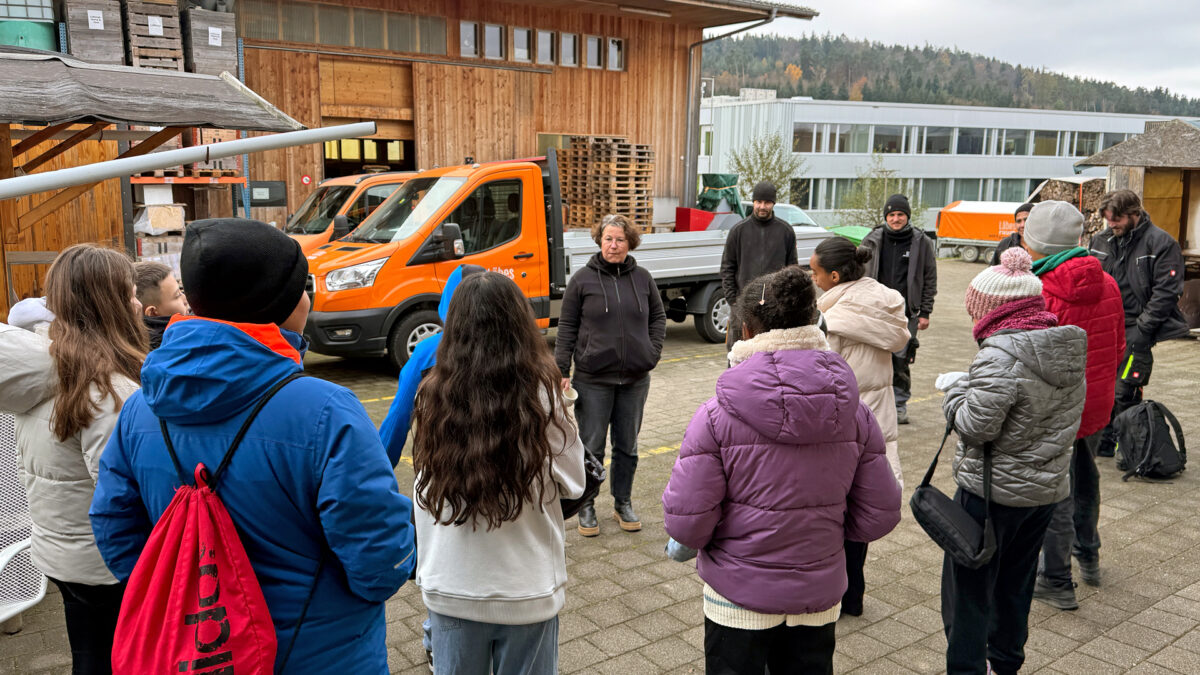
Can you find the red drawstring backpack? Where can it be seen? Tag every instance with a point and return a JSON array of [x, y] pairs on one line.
[[193, 603]]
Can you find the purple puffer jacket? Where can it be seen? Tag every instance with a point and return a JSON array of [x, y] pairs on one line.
[[774, 472]]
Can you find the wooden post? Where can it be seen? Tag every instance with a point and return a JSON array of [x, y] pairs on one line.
[[8, 218]]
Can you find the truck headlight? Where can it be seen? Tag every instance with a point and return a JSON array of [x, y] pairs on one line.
[[355, 276]]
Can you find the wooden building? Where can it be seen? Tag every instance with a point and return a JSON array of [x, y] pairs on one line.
[[482, 79]]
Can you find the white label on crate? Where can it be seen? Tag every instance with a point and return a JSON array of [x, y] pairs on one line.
[[260, 193], [155, 25], [214, 36], [95, 19]]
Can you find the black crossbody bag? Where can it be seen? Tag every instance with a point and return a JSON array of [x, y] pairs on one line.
[[594, 476], [949, 525]]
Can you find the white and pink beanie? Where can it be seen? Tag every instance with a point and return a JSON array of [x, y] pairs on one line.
[[1008, 281]]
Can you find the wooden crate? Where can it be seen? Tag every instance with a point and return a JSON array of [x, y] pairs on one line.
[[209, 42], [225, 166], [94, 30], [152, 34]]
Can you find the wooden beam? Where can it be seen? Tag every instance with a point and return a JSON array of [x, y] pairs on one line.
[[62, 147], [57, 201], [8, 217], [366, 112], [38, 137]]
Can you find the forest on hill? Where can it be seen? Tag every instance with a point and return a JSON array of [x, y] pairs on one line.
[[839, 68]]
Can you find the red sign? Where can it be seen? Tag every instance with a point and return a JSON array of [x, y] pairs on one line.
[[306, 179]]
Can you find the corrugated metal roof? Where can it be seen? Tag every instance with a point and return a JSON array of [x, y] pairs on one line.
[[42, 88]]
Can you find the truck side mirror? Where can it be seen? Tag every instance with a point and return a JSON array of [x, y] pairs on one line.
[[341, 227], [453, 247]]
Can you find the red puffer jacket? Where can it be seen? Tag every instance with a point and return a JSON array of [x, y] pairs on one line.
[[1082, 294]]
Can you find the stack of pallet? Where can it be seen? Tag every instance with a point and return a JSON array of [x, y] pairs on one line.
[[152, 35], [607, 174]]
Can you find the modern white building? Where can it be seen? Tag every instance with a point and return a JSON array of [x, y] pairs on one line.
[[944, 153]]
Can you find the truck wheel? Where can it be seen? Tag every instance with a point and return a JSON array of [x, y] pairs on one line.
[[714, 322], [970, 254], [408, 331], [986, 257]]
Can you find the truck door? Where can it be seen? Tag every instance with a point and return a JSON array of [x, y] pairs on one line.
[[494, 235]]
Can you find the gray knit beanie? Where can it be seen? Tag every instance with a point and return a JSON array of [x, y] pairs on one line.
[[1053, 227]]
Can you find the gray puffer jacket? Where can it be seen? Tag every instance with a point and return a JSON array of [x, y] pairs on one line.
[[1025, 394]]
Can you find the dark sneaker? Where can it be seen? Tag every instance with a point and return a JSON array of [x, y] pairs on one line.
[[901, 415], [588, 526], [625, 517], [1089, 571], [1057, 597]]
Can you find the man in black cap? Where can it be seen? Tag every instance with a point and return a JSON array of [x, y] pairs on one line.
[[1014, 239], [758, 245], [904, 260]]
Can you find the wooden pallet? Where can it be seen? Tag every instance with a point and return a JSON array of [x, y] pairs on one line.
[[86, 39], [209, 41], [153, 38], [177, 172]]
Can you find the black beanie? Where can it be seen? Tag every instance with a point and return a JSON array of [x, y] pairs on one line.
[[764, 192], [1024, 208], [897, 203], [241, 270]]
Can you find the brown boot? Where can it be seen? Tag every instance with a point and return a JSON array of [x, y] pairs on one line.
[[625, 517]]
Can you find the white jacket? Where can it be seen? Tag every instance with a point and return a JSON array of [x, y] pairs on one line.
[[59, 476], [866, 324], [515, 574]]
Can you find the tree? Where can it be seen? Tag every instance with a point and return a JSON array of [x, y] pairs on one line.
[[863, 204], [767, 157]]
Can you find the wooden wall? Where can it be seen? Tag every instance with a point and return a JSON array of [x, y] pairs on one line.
[[1162, 198], [94, 217], [462, 108]]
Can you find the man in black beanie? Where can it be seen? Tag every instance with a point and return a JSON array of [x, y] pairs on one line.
[[904, 260], [758, 245], [1014, 239]]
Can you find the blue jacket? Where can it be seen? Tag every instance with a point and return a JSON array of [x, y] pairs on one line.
[[394, 430], [309, 482]]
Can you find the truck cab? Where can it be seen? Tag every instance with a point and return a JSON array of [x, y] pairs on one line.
[[354, 197]]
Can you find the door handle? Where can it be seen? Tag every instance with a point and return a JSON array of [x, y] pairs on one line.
[[522, 256]]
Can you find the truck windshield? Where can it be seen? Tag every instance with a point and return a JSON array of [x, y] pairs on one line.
[[317, 212], [407, 209]]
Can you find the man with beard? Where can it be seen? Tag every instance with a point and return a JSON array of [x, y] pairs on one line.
[[758, 245]]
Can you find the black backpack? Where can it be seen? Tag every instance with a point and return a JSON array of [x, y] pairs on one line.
[[1144, 446]]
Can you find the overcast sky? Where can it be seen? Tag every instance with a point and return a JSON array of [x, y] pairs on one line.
[[1146, 43]]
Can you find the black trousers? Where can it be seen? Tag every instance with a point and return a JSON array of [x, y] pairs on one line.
[[856, 585], [985, 611], [1133, 373], [91, 613], [795, 650]]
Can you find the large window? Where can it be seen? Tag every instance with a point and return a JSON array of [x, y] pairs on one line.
[[938, 140], [889, 139], [342, 26], [569, 54], [1111, 139], [841, 188], [852, 138], [935, 192], [967, 188], [972, 141], [1086, 143], [1013, 189], [491, 216], [545, 48], [1045, 143], [802, 192], [807, 137], [1016, 142]]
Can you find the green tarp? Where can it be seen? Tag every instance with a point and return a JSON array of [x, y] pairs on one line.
[[718, 186], [855, 233]]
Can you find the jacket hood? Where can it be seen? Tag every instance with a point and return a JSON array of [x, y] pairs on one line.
[[27, 375], [791, 389], [452, 283], [866, 311], [208, 370], [1057, 355], [597, 262], [1077, 281]]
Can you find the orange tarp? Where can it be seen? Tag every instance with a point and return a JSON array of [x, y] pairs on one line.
[[987, 221]]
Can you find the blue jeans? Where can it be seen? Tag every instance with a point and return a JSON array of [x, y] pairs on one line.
[[615, 411], [465, 647]]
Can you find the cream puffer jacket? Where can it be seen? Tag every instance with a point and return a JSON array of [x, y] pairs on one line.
[[866, 323], [59, 476]]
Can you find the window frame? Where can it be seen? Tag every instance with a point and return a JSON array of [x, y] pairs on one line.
[[530, 47], [599, 51], [537, 47], [608, 45], [503, 34], [477, 42], [563, 35]]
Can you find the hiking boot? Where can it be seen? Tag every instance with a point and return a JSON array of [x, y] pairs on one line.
[[901, 415], [1089, 571], [588, 526], [1059, 598], [625, 517]]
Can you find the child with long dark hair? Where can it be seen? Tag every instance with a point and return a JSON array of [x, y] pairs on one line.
[[494, 451], [66, 395]]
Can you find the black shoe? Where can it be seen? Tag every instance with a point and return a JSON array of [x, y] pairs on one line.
[[1057, 597], [625, 517], [901, 415], [1089, 571], [851, 609], [588, 526]]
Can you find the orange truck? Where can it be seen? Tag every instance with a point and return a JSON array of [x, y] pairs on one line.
[[376, 290], [339, 205], [972, 229]]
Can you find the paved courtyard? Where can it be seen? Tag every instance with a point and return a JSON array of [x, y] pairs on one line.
[[630, 610]]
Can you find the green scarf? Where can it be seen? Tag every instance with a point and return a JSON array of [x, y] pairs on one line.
[[1048, 263]]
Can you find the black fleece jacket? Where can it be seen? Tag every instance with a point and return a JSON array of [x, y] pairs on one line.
[[753, 248], [612, 323], [1148, 266]]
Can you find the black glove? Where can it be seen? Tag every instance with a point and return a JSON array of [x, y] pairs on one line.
[[1139, 342], [911, 353]]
